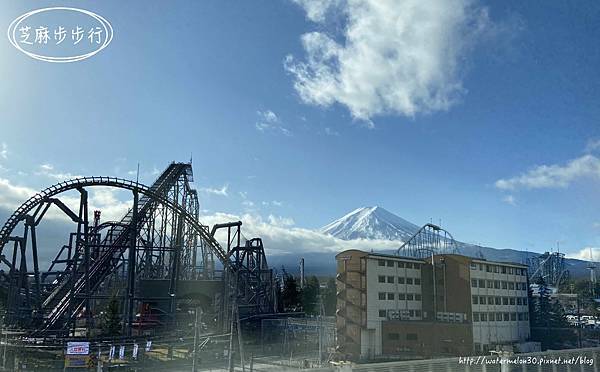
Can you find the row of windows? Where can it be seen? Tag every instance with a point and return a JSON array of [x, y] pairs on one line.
[[410, 313], [396, 337], [401, 280], [408, 265], [491, 300], [499, 269], [499, 317], [498, 284], [401, 296]]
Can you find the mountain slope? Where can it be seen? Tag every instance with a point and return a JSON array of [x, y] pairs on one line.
[[370, 223]]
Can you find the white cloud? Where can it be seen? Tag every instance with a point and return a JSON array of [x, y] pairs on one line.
[[592, 145], [214, 191], [272, 203], [554, 176], [584, 254], [510, 199], [49, 171], [393, 57], [280, 238], [269, 121], [331, 132], [4, 151]]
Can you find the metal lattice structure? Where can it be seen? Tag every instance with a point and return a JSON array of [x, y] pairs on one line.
[[551, 267], [159, 238], [427, 241]]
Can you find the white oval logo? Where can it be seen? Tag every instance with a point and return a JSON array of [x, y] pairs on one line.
[[60, 34]]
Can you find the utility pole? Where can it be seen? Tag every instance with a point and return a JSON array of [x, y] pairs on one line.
[[195, 353]]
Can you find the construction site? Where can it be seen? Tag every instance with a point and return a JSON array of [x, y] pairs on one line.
[[156, 289]]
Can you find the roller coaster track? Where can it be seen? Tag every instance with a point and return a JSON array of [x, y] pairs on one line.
[[64, 296]]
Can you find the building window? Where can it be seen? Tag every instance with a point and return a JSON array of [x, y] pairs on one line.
[[498, 301], [505, 315], [490, 284], [382, 295], [417, 266], [381, 279], [482, 300], [524, 300], [519, 301], [511, 286], [504, 285], [526, 316], [490, 300], [390, 296], [382, 314], [496, 269], [504, 300], [411, 337], [512, 300], [475, 298], [481, 283], [498, 317], [474, 283], [513, 316], [496, 284], [488, 268], [381, 262], [473, 266], [409, 281], [393, 336], [417, 297], [409, 265], [417, 281], [390, 279], [518, 286], [510, 271], [409, 296], [401, 265], [418, 313], [520, 316], [400, 280], [503, 269], [480, 267], [401, 296], [475, 317], [483, 317], [411, 313], [390, 263]]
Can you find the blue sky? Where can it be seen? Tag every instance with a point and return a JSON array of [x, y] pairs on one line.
[[302, 111]]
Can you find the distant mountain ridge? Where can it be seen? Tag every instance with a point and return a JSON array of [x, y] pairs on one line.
[[378, 223]]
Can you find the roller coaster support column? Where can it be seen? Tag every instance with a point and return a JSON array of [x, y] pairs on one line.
[[30, 221], [131, 264]]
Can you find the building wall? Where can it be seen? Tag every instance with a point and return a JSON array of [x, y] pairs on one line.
[[393, 292], [377, 291], [506, 319]]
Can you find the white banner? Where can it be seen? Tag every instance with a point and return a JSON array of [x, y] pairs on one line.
[[135, 351], [78, 348], [148, 345], [111, 353], [122, 352]]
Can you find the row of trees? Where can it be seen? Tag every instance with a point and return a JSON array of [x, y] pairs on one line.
[[309, 299]]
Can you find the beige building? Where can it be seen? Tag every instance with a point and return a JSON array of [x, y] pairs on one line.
[[399, 306]]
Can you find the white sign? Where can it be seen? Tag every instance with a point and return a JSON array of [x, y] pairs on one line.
[[148, 345], [122, 352], [78, 348], [111, 353], [135, 351]]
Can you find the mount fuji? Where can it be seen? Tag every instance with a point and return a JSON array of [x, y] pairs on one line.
[[378, 223], [371, 223]]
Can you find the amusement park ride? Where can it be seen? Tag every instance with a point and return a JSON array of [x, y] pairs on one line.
[[158, 255]]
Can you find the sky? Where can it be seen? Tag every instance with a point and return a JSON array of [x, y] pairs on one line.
[[482, 115]]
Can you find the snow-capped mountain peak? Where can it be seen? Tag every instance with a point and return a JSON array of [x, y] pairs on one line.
[[370, 223]]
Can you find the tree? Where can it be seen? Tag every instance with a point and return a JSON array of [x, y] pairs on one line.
[[310, 296], [330, 297], [291, 294], [111, 322], [548, 322]]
